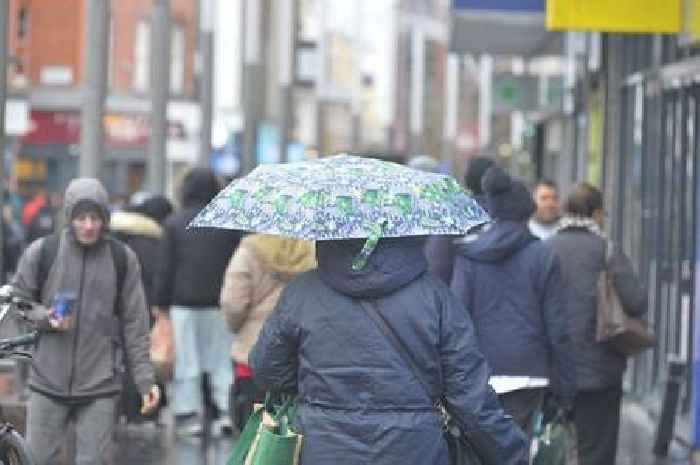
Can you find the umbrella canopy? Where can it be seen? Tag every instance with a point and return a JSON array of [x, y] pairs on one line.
[[343, 197]]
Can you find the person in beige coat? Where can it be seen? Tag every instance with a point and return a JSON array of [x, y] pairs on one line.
[[259, 269]]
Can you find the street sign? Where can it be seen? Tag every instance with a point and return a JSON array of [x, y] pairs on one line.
[[631, 16], [16, 117], [503, 5], [511, 93], [511, 27], [268, 143]]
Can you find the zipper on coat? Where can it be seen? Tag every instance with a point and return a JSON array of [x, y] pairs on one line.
[[77, 325]]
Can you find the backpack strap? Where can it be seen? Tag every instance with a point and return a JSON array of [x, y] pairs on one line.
[[47, 255], [120, 260]]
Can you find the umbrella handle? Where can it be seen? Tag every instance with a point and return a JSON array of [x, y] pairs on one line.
[[359, 262]]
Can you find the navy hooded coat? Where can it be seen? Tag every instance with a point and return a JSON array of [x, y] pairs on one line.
[[359, 402], [510, 282]]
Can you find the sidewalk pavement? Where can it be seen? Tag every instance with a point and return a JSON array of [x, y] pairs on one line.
[[637, 433]]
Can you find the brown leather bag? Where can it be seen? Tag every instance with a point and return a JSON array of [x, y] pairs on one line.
[[616, 329], [162, 348]]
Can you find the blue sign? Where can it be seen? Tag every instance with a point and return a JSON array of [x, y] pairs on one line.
[[296, 151], [501, 5], [226, 160], [268, 143]]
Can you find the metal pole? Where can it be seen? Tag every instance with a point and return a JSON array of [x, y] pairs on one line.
[[451, 112], [321, 91], [160, 92], [206, 47], [358, 87], [253, 83], [417, 89], [664, 431], [485, 78], [95, 87], [3, 98], [287, 28]]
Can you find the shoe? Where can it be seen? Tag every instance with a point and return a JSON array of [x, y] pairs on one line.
[[221, 427], [188, 425]]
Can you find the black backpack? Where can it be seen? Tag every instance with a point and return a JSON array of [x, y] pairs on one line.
[[49, 250]]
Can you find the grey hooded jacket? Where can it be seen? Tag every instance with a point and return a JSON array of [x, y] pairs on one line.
[[85, 362]]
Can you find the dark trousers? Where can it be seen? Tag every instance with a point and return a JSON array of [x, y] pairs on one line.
[[597, 420], [522, 406]]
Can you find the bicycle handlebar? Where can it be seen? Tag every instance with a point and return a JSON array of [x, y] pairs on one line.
[[17, 341]]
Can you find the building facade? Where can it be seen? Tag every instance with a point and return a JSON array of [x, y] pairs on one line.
[[47, 47], [631, 128]]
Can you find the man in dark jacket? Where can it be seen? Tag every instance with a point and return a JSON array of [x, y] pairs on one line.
[[138, 226], [582, 249], [46, 220], [510, 283], [191, 267], [75, 371], [359, 402]]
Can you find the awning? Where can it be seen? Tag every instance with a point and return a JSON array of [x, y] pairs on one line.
[[502, 27]]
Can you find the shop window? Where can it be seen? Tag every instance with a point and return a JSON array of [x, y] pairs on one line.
[[22, 23]]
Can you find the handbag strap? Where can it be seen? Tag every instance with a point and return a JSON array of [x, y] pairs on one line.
[[372, 311]]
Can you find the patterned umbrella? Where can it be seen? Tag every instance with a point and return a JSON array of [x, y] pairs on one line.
[[343, 197]]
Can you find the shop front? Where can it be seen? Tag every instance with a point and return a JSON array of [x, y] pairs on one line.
[[47, 155]]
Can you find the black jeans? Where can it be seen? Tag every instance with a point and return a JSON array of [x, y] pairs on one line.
[[597, 419], [522, 406]]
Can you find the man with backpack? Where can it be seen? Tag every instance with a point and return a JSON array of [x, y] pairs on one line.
[[92, 316]]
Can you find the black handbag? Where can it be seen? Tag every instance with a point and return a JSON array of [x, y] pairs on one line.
[[462, 449]]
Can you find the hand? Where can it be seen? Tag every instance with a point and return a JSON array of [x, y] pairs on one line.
[[150, 401], [59, 324]]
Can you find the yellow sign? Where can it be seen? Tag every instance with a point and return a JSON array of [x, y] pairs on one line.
[[691, 21], [634, 16]]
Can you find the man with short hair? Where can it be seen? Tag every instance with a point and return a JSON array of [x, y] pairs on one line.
[[545, 221], [76, 369]]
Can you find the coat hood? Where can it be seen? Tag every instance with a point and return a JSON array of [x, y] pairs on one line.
[[199, 186], [394, 263], [86, 189], [136, 224], [496, 241], [282, 255]]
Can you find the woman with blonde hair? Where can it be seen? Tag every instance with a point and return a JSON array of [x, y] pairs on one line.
[[256, 275]]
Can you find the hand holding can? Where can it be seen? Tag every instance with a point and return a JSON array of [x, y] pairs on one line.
[[61, 312]]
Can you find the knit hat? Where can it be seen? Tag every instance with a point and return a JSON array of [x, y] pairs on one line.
[[508, 199], [84, 206], [475, 172]]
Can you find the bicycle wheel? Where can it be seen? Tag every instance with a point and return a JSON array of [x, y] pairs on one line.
[[14, 450]]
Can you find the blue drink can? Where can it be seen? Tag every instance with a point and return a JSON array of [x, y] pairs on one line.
[[63, 304]]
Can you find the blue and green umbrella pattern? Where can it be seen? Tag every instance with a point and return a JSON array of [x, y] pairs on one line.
[[343, 197]]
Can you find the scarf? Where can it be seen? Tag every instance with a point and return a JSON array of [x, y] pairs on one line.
[[580, 222]]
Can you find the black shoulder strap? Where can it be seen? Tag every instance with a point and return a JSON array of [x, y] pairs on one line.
[[372, 311], [47, 255], [120, 265]]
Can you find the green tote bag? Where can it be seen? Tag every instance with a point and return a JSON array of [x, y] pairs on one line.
[[267, 438]]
